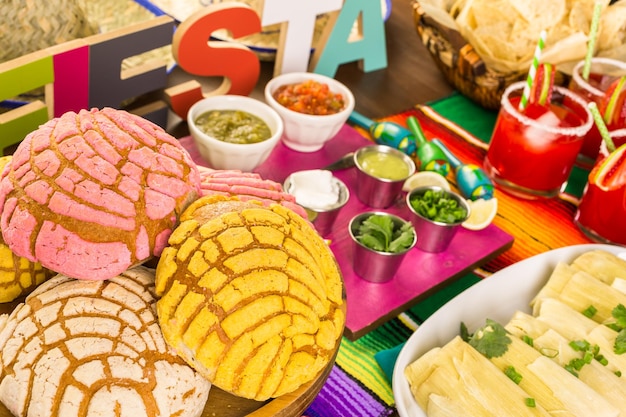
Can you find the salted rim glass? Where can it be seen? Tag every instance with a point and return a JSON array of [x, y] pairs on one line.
[[605, 66], [617, 136], [523, 119]]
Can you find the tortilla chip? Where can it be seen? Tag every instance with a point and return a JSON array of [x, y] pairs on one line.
[[490, 12], [504, 33], [570, 49], [540, 14], [580, 13], [612, 28]]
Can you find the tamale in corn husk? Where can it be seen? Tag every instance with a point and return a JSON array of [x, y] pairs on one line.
[[575, 326], [553, 345], [581, 290], [603, 265], [553, 387], [457, 377]]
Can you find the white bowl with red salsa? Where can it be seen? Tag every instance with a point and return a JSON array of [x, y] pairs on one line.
[[313, 107]]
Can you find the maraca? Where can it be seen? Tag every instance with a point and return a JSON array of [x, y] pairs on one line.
[[386, 133], [429, 156], [472, 180]]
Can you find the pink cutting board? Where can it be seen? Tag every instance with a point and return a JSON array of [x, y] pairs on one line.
[[372, 304]]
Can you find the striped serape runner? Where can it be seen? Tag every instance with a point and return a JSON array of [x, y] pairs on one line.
[[359, 384]]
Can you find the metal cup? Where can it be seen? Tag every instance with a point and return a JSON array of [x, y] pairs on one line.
[[372, 265], [324, 218], [375, 191], [435, 236]]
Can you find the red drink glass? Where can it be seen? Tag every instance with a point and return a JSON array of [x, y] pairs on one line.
[[531, 153], [603, 72], [601, 213], [619, 138]]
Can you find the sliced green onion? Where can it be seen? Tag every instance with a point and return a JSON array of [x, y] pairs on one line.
[[513, 374], [590, 311], [528, 340]]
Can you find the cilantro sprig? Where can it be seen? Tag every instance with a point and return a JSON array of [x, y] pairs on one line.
[[378, 232], [491, 340]]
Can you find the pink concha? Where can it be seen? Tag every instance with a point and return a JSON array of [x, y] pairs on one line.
[[246, 186], [102, 190]]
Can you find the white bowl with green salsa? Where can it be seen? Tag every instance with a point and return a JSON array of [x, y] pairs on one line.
[[233, 131]]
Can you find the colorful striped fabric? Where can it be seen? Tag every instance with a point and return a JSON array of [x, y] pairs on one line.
[[358, 384], [539, 225]]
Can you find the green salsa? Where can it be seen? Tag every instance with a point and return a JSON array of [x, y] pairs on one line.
[[384, 165], [233, 126]]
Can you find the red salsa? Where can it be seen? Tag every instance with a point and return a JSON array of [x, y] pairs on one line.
[[309, 97]]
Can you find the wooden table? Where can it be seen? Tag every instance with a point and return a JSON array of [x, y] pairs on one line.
[[410, 77]]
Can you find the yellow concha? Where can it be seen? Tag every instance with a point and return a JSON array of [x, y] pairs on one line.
[[18, 275]]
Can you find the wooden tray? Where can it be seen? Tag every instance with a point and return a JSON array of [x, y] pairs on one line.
[[223, 404]]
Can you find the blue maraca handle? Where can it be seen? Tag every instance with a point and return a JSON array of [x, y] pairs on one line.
[[472, 180], [454, 161], [360, 120], [386, 133]]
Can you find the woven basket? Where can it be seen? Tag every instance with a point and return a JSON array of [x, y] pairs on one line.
[[460, 64], [31, 25], [108, 15]]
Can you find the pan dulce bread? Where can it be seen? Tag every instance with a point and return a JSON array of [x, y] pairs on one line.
[[246, 186], [93, 193], [94, 348], [251, 296], [18, 275]]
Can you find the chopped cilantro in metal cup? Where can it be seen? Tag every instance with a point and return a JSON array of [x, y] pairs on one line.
[[437, 205]]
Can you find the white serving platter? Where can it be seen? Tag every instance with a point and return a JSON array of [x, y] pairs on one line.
[[496, 297]]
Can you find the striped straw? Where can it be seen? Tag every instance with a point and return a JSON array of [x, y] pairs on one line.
[[604, 132], [593, 34], [533, 70]]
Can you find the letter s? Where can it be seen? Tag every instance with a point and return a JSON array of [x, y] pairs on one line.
[[198, 55]]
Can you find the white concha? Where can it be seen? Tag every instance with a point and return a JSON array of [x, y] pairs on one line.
[[94, 348]]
